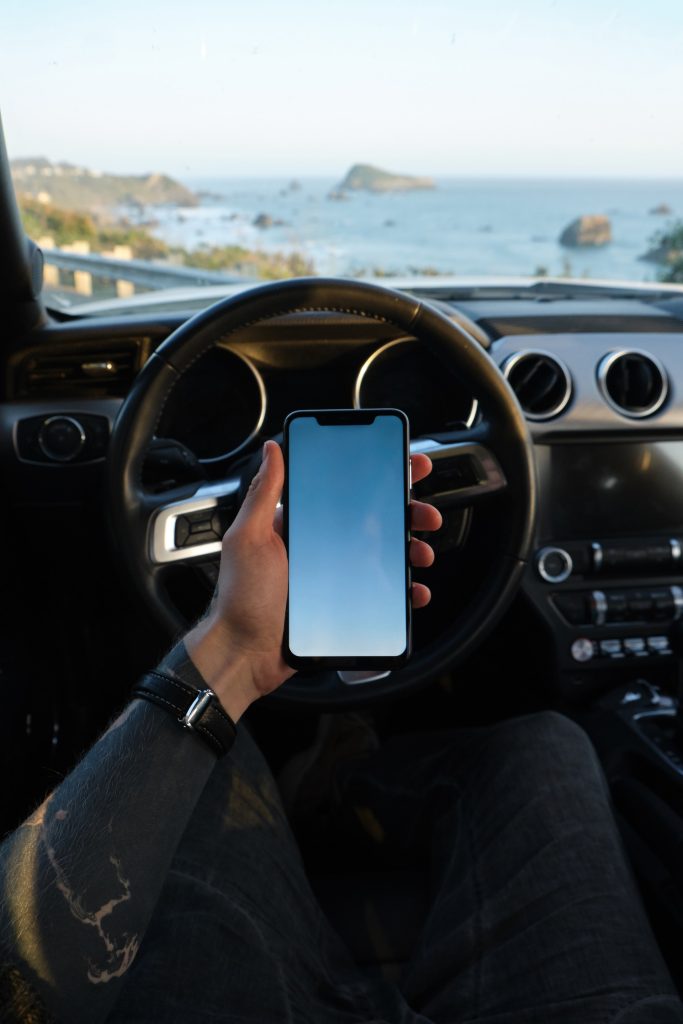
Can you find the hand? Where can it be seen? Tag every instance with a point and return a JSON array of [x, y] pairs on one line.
[[238, 646]]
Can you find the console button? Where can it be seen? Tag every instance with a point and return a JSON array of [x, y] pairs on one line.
[[639, 604], [635, 645], [581, 557], [61, 438], [659, 554], [582, 649], [611, 556], [598, 606], [662, 604], [659, 644], [611, 648], [554, 565], [616, 606]]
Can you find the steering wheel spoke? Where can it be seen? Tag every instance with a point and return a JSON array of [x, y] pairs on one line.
[[191, 528], [465, 471]]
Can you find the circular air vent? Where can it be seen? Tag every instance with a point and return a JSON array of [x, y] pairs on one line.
[[541, 382], [633, 382]]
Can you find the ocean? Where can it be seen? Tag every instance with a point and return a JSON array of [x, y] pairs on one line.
[[462, 227]]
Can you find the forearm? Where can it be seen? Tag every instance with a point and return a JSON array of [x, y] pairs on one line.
[[81, 877]]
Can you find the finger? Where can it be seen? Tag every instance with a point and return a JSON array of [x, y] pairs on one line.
[[421, 554], [420, 467], [421, 595], [265, 490], [424, 516]]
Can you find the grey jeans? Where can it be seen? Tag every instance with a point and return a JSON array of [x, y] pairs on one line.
[[534, 916]]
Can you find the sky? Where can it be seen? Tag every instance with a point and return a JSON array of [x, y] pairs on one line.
[[347, 582], [212, 88]]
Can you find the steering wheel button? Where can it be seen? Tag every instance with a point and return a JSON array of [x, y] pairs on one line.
[[199, 526], [202, 515], [201, 537], [182, 531], [220, 521]]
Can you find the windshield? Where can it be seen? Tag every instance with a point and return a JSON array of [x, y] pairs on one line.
[[194, 147]]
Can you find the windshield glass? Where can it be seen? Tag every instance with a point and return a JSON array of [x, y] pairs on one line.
[[194, 147]]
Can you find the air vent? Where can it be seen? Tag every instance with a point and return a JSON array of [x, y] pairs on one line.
[[71, 370], [541, 382], [633, 382]]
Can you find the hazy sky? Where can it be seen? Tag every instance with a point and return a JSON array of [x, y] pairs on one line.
[[269, 87], [347, 579]]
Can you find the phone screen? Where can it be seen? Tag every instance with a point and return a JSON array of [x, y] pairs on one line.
[[347, 531]]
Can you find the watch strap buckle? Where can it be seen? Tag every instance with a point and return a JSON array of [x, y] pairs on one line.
[[197, 708]]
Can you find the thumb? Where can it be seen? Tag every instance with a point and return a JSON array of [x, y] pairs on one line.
[[265, 490]]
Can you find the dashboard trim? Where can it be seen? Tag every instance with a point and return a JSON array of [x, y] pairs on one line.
[[606, 364], [589, 415], [262, 413], [358, 383], [508, 366], [162, 544], [11, 414]]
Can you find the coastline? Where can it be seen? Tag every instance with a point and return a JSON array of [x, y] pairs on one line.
[[463, 226]]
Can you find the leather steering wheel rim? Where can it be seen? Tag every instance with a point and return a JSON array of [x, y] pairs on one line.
[[131, 507]]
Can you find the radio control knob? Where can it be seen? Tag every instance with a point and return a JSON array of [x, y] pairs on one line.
[[554, 565], [582, 649]]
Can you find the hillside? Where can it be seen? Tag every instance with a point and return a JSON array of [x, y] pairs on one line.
[[66, 226], [78, 188]]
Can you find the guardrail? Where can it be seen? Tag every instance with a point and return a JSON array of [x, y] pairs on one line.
[[128, 274]]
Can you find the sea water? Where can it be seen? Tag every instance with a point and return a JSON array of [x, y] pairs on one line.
[[461, 227]]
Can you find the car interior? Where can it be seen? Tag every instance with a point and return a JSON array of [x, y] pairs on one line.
[[553, 413]]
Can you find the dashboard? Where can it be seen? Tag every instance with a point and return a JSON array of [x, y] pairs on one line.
[[599, 381]]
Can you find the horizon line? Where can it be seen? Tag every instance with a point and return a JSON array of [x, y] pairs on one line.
[[321, 175]]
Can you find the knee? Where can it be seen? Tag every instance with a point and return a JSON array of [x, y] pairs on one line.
[[551, 728], [548, 742]]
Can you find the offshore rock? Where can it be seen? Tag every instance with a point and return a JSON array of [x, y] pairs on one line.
[[590, 230], [263, 220]]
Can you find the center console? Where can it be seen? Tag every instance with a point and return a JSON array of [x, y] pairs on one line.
[[607, 574]]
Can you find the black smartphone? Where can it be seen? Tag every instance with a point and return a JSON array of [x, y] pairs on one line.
[[347, 530]]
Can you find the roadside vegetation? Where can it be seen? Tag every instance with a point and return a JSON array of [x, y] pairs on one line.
[[68, 226], [667, 250]]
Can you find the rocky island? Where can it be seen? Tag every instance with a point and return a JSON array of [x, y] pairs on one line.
[[79, 188], [366, 178], [590, 230]]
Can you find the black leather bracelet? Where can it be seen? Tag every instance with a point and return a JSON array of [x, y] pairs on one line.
[[197, 710]]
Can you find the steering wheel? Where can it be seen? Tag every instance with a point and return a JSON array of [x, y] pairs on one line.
[[492, 461]]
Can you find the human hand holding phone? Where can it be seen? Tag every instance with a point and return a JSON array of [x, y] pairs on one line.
[[237, 647]]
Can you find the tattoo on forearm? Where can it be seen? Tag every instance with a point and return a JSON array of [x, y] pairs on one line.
[[80, 878]]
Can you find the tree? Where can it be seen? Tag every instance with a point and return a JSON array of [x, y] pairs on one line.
[[667, 250]]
